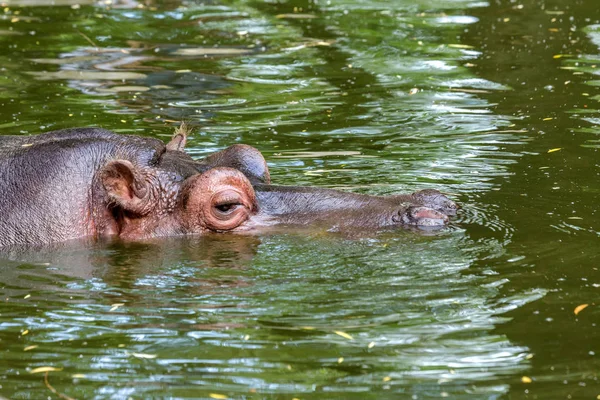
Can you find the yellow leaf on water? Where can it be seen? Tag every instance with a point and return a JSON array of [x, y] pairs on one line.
[[80, 376], [44, 369], [580, 308], [387, 379], [35, 346], [553, 150], [547, 119], [142, 355], [340, 360], [344, 335], [27, 296], [526, 379], [371, 345], [460, 46], [115, 306], [217, 396]]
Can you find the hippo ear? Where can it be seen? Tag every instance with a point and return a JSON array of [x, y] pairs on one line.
[[126, 186], [242, 157], [179, 139]]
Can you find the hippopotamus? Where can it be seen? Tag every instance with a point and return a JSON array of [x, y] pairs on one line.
[[91, 182]]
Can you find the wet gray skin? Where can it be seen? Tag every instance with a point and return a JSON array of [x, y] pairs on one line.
[[294, 205]]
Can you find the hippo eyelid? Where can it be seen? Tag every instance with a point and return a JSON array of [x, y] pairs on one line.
[[227, 204], [227, 208]]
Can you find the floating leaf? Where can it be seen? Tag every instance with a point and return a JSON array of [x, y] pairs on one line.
[[80, 376], [44, 369], [548, 119], [344, 335], [371, 345], [35, 346], [340, 360], [217, 396], [115, 306], [460, 46], [387, 379], [526, 379], [580, 308], [295, 16], [142, 355], [555, 149]]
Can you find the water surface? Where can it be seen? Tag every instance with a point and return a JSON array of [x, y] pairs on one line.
[[494, 103]]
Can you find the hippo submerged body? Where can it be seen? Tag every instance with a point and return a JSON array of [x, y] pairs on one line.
[[89, 182]]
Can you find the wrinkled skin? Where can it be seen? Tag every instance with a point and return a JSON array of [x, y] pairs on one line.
[[89, 182]]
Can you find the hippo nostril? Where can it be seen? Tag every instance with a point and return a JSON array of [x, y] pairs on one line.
[[420, 216]]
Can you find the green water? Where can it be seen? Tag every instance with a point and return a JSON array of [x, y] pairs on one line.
[[493, 102]]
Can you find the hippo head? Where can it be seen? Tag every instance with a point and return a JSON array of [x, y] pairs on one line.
[[231, 191]]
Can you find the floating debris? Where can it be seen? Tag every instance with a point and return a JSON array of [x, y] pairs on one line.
[[44, 369], [113, 307], [344, 335], [580, 308], [143, 355]]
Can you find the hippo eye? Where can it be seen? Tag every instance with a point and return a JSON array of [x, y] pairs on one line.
[[226, 208]]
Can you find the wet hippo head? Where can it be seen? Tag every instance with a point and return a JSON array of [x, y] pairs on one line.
[[92, 182], [231, 191]]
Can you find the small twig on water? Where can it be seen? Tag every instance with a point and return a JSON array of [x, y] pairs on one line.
[[49, 386], [88, 39]]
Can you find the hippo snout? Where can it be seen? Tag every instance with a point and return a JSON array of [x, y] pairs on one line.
[[420, 216], [435, 199]]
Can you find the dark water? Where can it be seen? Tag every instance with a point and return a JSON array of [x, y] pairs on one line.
[[494, 102]]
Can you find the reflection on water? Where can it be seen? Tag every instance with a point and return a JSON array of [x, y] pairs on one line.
[[242, 312], [466, 97]]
